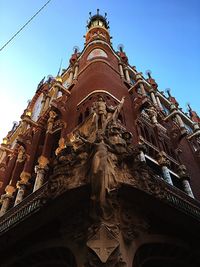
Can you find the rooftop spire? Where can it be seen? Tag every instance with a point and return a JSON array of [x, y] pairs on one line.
[[97, 27], [98, 20]]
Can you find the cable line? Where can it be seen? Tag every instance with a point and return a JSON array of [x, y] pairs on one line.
[[25, 25]]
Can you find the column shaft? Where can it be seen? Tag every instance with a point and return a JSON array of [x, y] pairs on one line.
[[166, 175], [187, 188]]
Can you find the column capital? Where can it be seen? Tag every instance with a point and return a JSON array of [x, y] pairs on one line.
[[142, 147], [183, 173], [43, 161], [25, 176], [162, 159], [10, 190], [138, 76]]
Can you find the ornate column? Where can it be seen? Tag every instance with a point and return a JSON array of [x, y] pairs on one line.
[[71, 74], [46, 103], [158, 101], [8, 171], [25, 121], [18, 166], [40, 174], [75, 71], [140, 81], [6, 198], [43, 160], [22, 185], [164, 163], [121, 70], [184, 176], [127, 75], [28, 167], [153, 97]]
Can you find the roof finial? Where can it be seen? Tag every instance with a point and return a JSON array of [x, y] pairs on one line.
[[97, 11], [148, 72], [189, 107], [120, 47], [168, 91]]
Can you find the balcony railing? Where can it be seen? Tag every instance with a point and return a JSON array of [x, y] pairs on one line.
[[32, 203]]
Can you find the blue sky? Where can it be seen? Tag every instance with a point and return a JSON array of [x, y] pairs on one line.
[[160, 35]]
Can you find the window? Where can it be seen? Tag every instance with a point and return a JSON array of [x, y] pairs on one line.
[[97, 52]]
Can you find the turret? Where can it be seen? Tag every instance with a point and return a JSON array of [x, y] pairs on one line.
[[97, 28]]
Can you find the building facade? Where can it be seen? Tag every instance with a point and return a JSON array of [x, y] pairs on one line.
[[102, 170]]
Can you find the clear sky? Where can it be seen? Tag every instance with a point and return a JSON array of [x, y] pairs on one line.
[[160, 35]]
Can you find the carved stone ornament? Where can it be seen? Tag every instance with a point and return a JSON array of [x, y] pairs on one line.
[[103, 243], [100, 153]]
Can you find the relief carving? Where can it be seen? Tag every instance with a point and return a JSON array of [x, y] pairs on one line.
[[100, 152]]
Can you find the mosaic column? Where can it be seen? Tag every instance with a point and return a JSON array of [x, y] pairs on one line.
[[40, 174], [22, 185], [164, 163], [185, 178]]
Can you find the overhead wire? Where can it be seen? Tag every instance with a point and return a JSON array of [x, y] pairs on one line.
[[25, 25]]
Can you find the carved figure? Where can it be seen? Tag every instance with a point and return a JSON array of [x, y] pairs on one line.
[[102, 171], [105, 114]]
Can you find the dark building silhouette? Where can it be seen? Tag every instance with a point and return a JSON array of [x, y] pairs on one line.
[[102, 170]]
